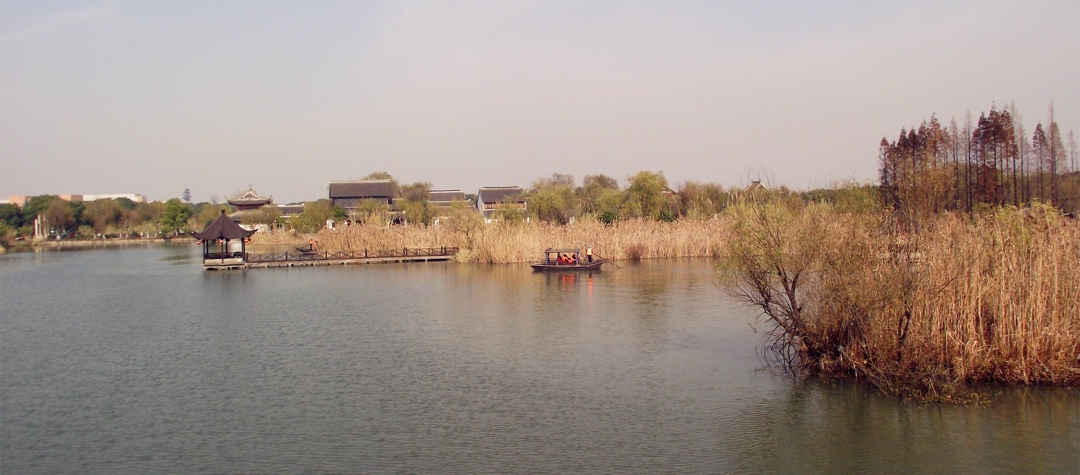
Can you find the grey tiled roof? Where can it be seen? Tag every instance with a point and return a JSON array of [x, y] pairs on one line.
[[498, 194], [438, 196], [361, 189]]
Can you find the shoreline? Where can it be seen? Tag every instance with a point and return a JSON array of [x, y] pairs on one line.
[[88, 244]]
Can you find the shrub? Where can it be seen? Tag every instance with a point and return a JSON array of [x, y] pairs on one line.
[[609, 217], [635, 251]]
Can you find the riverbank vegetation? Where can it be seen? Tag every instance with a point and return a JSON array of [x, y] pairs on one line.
[[504, 242], [959, 268], [926, 308], [963, 272]]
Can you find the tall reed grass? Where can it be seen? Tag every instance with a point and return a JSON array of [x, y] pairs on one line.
[[503, 242], [925, 308]]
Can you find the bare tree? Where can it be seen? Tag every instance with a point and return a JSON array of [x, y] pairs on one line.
[[1072, 152], [1056, 155], [1039, 147]]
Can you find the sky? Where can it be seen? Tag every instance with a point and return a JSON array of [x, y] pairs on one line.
[[155, 97]]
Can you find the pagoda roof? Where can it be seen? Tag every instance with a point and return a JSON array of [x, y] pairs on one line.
[[250, 198], [223, 228]]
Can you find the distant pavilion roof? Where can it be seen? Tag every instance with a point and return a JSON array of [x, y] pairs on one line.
[[223, 228], [250, 199], [756, 185]]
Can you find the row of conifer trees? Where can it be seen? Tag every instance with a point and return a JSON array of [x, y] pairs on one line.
[[992, 161]]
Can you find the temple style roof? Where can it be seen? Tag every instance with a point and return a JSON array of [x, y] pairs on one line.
[[250, 198], [756, 185], [223, 228]]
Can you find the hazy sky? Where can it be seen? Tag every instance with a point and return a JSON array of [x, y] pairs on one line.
[[154, 97]]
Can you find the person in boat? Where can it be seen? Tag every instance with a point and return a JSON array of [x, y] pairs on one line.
[[588, 254], [573, 259], [311, 244]]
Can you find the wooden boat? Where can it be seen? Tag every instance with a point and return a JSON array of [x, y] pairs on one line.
[[565, 260]]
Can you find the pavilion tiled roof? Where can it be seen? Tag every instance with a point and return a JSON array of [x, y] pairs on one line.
[[223, 228]]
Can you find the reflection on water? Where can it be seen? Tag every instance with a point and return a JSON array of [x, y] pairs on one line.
[[818, 427], [122, 361]]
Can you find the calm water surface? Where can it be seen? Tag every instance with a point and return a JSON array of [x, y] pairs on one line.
[[135, 360]]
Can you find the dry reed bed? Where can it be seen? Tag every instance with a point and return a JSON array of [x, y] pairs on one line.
[[1000, 301], [925, 313], [500, 243], [635, 239]]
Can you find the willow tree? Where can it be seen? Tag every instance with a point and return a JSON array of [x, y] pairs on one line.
[[599, 194], [645, 196], [553, 199], [700, 200], [395, 188], [415, 202]]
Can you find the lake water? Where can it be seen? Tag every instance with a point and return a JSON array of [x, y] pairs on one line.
[[135, 360]]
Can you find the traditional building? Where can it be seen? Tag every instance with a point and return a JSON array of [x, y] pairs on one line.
[[250, 200], [219, 243], [349, 194], [291, 210], [489, 198], [445, 198], [248, 210], [755, 185]]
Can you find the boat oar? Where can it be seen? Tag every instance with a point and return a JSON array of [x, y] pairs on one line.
[[608, 261]]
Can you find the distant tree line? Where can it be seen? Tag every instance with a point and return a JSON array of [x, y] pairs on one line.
[[991, 162], [105, 217], [556, 199], [932, 168]]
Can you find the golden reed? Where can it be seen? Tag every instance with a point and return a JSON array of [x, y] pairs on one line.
[[928, 308], [501, 243]]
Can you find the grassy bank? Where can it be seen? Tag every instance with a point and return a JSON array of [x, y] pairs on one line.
[[927, 306]]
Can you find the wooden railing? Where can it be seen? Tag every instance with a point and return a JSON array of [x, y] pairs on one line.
[[352, 255]]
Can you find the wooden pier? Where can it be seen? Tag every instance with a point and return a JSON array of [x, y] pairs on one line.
[[329, 258]]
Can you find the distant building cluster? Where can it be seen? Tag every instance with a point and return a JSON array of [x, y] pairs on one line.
[[350, 195], [21, 200]]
